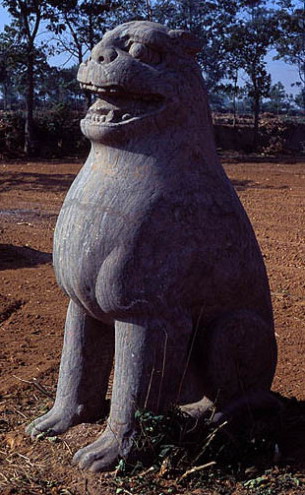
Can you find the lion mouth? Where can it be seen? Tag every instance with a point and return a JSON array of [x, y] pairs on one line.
[[114, 105]]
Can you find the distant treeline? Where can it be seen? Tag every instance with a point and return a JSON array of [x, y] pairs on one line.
[[58, 134], [236, 36]]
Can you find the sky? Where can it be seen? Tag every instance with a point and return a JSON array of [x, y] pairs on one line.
[[279, 70]]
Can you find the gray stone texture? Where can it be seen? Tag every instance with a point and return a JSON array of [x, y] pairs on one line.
[[155, 251]]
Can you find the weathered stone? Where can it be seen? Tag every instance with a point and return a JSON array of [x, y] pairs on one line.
[[155, 251]]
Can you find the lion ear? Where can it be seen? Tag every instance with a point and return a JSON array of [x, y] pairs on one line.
[[187, 42]]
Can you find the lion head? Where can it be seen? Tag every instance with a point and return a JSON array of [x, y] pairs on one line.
[[141, 73]]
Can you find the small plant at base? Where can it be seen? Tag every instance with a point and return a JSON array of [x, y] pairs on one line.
[[175, 444], [156, 437]]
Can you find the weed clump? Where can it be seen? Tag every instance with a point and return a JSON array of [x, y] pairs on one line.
[[174, 444]]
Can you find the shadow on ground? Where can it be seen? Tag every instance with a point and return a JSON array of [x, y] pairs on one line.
[[292, 435], [14, 257], [242, 185], [34, 181]]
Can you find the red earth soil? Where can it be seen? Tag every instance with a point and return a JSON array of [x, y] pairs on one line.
[[32, 314]]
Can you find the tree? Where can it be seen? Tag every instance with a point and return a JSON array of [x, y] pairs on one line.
[[11, 55], [290, 42], [65, 91], [210, 21], [13, 77], [277, 102], [80, 25], [299, 99], [246, 47], [27, 16], [131, 10], [220, 101], [234, 93]]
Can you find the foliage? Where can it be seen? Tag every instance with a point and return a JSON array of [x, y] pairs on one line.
[[11, 64], [11, 132], [277, 102], [300, 99], [13, 58], [211, 21], [220, 99], [186, 442], [246, 48], [130, 10], [236, 36], [57, 130], [66, 90], [241, 454], [27, 16], [158, 434], [80, 25], [290, 41]]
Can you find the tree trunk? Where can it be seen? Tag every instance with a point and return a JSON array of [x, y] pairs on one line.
[[234, 99], [234, 109], [256, 111], [29, 139], [149, 11], [88, 95], [6, 105]]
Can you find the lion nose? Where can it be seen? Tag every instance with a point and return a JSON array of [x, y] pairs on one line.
[[104, 56]]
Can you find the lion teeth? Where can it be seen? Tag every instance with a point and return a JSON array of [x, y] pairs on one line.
[[113, 107], [110, 116]]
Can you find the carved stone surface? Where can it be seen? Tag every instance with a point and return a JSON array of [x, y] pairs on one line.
[[155, 251]]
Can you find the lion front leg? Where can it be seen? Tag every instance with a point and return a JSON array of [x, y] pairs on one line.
[[150, 360], [86, 363]]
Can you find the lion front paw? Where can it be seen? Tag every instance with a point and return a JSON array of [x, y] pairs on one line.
[[53, 422], [104, 453]]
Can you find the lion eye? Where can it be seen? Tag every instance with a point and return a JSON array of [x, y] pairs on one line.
[[144, 53]]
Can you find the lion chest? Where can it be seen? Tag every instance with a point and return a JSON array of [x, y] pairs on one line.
[[101, 216]]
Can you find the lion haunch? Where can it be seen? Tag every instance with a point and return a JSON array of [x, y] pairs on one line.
[[155, 252]]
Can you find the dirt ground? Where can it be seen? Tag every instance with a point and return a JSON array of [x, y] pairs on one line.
[[32, 313]]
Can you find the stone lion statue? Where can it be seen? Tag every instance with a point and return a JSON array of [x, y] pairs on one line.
[[155, 251]]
